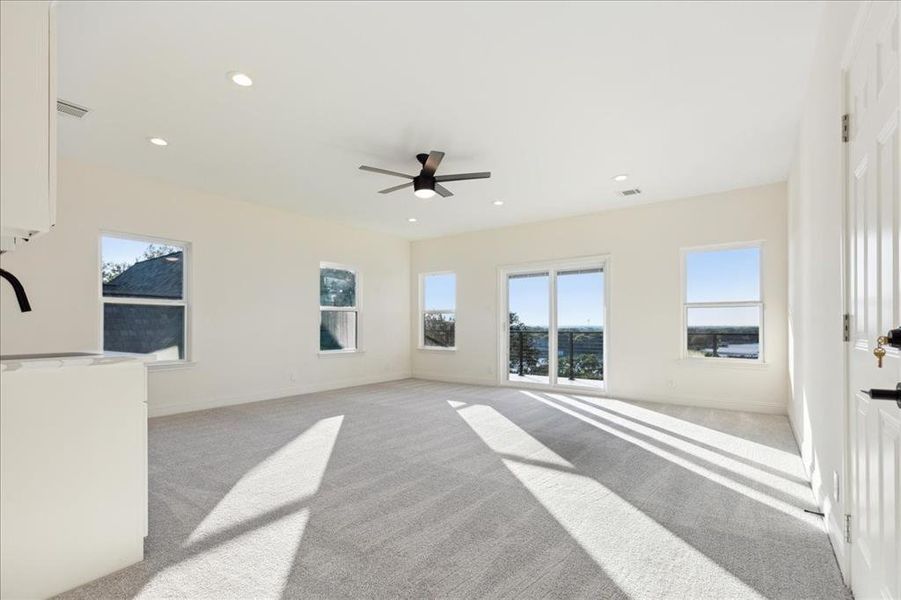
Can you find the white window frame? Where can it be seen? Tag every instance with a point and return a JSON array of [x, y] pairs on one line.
[[354, 309], [759, 304], [552, 268], [444, 311], [184, 302]]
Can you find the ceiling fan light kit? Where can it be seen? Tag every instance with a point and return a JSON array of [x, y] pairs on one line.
[[426, 184], [424, 187]]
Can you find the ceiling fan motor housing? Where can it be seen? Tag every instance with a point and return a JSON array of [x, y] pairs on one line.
[[423, 182]]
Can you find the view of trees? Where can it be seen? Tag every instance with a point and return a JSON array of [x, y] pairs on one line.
[[438, 329], [529, 351], [337, 287], [524, 355], [586, 365], [724, 342], [110, 270]]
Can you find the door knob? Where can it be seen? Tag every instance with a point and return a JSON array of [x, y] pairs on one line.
[[894, 338], [894, 394], [879, 351]]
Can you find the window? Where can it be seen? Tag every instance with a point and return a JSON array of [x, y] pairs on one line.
[[338, 301], [438, 304], [723, 311], [145, 304], [555, 326]]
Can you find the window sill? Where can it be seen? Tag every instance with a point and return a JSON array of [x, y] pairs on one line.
[[728, 363], [171, 365], [333, 353], [438, 348]]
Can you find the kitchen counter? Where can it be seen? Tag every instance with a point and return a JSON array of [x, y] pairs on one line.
[[73, 469], [14, 362]]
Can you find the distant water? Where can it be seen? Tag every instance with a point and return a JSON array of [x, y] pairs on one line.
[[736, 349]]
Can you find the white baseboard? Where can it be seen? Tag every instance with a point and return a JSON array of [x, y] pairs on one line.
[[722, 403], [833, 519], [739, 404], [443, 377], [194, 405]]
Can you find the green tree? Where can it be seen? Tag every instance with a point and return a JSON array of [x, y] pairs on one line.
[[438, 330], [523, 354], [110, 270]]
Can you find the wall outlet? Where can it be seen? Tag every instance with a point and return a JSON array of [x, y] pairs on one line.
[[292, 375]]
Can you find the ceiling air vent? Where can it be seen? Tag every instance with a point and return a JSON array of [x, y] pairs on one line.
[[632, 192], [73, 110]]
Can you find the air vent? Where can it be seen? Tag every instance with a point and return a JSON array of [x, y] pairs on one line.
[[632, 192], [73, 110]]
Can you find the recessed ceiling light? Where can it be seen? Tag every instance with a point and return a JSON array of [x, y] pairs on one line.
[[157, 141], [242, 79], [411, 220], [498, 203], [622, 177]]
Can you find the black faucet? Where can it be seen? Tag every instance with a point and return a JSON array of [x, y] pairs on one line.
[[24, 306]]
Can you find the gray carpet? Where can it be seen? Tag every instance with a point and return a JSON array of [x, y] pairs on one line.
[[428, 490]]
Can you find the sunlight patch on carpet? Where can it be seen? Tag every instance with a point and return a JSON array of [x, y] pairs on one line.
[[643, 558], [251, 537], [752, 493]]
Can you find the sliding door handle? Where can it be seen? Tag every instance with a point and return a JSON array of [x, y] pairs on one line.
[[894, 394], [893, 338]]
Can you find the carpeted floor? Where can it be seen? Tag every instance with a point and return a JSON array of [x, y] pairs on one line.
[[428, 490]]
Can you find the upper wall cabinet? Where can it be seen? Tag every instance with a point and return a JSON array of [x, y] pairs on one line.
[[27, 119]]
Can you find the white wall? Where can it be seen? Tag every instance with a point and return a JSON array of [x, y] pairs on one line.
[[644, 315], [816, 208], [254, 297]]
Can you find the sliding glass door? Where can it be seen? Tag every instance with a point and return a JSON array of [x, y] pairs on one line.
[[580, 327], [529, 324], [554, 332]]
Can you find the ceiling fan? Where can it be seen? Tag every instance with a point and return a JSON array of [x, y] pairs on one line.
[[426, 184]]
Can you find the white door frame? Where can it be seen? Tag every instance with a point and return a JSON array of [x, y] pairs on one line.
[[839, 544], [842, 548], [552, 267]]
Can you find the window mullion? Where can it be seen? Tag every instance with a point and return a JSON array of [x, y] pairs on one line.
[[143, 301]]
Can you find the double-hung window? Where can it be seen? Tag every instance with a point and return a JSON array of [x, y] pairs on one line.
[[144, 294], [438, 301], [722, 304], [338, 308]]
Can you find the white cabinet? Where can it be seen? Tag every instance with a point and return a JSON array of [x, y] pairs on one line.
[[73, 471], [27, 119]]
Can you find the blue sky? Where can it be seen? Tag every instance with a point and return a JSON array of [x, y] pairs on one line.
[[712, 276], [723, 275], [122, 250], [439, 291], [580, 299], [528, 298], [731, 275]]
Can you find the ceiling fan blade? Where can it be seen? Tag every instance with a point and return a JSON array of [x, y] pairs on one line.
[[443, 190], [395, 188], [432, 162], [385, 172], [462, 176]]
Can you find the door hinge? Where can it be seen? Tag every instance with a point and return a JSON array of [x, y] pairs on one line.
[[848, 528], [846, 127], [846, 327]]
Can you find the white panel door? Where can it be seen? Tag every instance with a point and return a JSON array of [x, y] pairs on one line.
[[874, 260]]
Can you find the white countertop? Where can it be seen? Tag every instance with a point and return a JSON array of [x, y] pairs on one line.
[[14, 362]]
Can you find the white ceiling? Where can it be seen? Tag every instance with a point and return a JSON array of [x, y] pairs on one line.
[[553, 98]]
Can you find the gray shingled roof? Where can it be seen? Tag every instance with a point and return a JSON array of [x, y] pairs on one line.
[[146, 328], [159, 277], [143, 328]]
